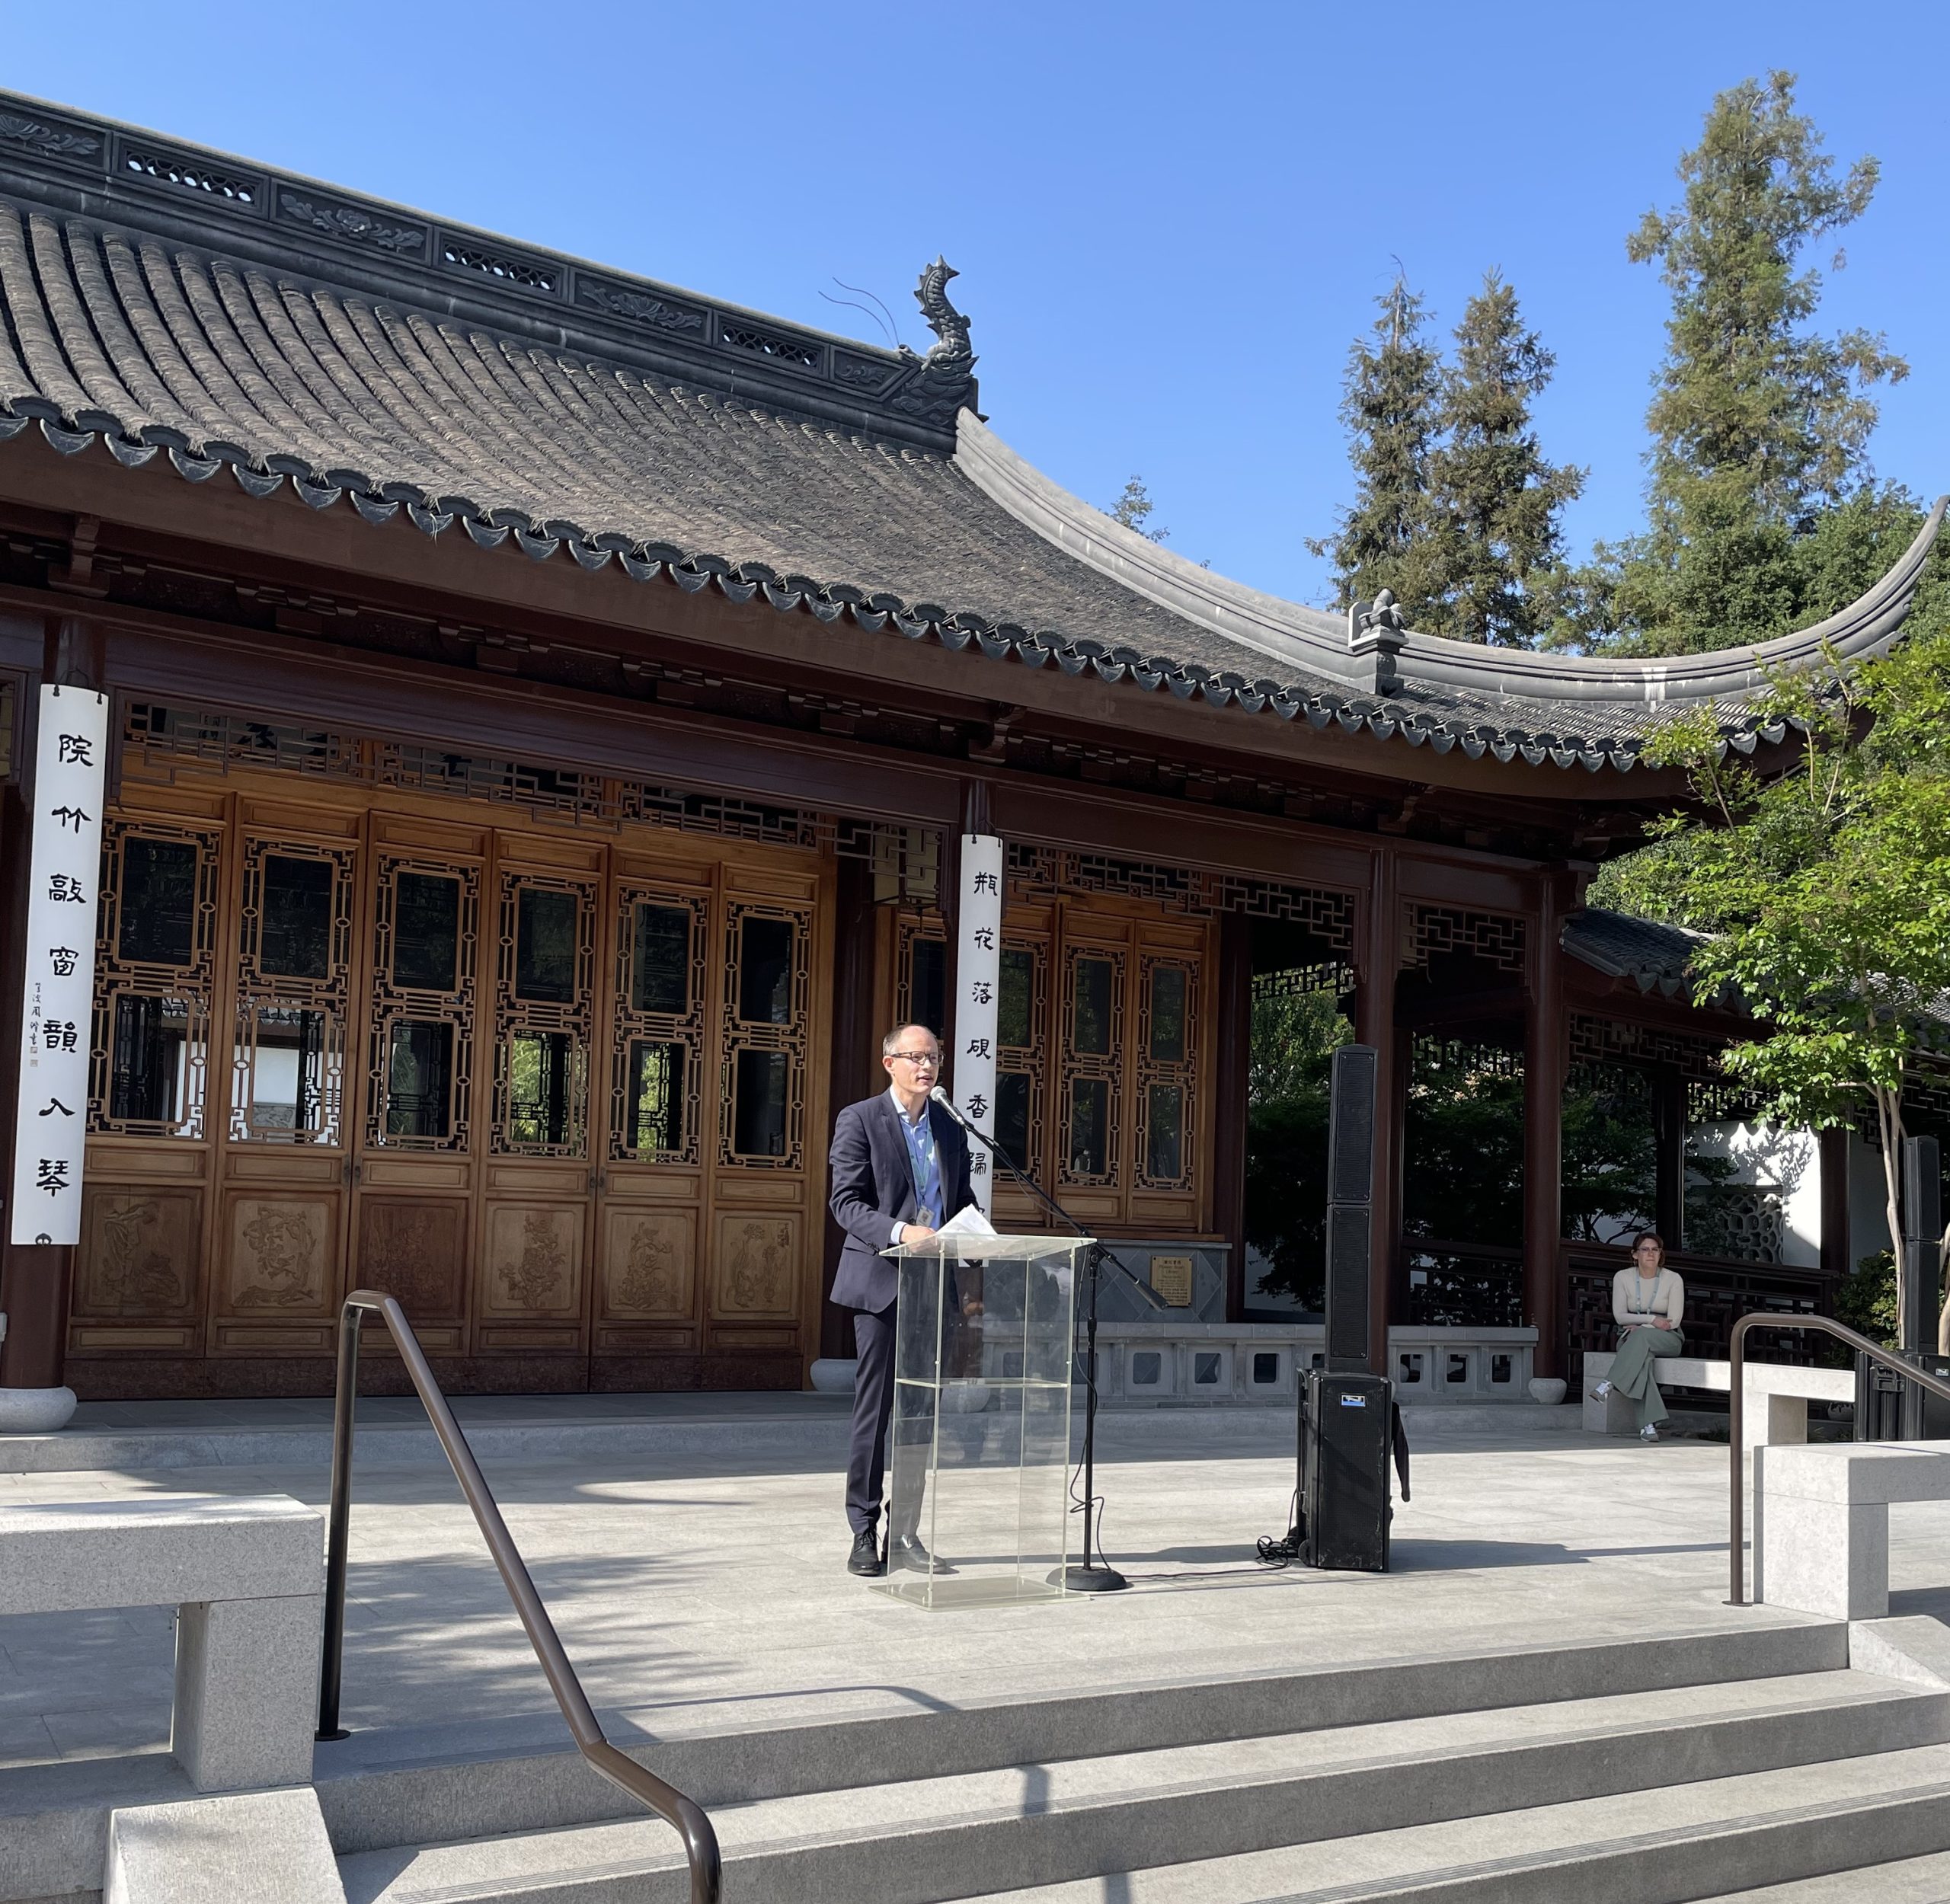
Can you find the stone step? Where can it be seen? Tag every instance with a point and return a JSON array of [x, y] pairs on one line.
[[389, 1788], [1904, 1881], [919, 1842], [1909, 1880], [1823, 1825]]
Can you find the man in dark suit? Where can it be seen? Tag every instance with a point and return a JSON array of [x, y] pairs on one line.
[[899, 1171]]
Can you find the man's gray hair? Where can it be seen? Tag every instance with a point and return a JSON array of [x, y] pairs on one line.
[[891, 1043]]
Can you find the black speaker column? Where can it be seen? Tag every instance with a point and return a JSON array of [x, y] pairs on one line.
[[1888, 1408], [1350, 1208], [1347, 1411]]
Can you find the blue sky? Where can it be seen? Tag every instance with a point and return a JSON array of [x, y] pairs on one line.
[[1170, 220]]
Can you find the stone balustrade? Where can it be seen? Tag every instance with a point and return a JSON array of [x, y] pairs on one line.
[[247, 1577], [1821, 1521]]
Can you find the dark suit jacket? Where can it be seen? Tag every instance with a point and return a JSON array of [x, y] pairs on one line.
[[873, 1189]]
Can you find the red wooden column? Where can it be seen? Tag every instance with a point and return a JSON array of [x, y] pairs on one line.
[[36, 1280], [1835, 1263], [1234, 1031], [851, 1058], [1380, 961], [1545, 1037]]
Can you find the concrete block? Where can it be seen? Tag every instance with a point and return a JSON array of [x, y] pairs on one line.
[[1773, 1420], [248, 1848], [1613, 1414], [1850, 1472], [160, 1550], [1829, 1558], [1915, 1649], [247, 1692]]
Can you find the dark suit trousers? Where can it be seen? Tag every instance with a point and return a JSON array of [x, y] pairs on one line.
[[873, 1408]]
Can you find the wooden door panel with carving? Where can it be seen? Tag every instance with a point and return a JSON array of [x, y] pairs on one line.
[[532, 1290], [291, 903], [646, 1296], [414, 1248], [278, 1275], [141, 1272]]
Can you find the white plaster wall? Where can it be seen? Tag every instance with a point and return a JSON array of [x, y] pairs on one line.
[[1789, 1162], [1869, 1201]]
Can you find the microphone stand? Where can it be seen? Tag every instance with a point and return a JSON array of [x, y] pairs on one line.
[[1094, 1575]]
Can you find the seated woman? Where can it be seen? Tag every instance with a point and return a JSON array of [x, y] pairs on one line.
[[1648, 1302]]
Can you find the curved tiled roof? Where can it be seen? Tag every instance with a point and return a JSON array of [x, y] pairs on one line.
[[1653, 956], [265, 372]]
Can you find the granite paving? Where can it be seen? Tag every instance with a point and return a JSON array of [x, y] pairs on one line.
[[704, 1589]]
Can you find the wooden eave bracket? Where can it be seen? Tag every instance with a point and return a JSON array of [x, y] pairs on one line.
[[78, 577]]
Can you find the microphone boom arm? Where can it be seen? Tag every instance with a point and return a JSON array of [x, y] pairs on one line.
[[1104, 1252]]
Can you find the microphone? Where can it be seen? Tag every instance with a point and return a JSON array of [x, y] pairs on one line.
[[940, 1097]]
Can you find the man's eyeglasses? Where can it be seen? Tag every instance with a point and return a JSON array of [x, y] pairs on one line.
[[920, 1060]]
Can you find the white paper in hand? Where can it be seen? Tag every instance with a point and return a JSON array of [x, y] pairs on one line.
[[968, 1222]]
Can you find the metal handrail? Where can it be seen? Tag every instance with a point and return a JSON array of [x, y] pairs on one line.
[[1736, 1401], [689, 1817]]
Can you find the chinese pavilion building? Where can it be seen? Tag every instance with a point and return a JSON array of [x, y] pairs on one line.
[[544, 706]]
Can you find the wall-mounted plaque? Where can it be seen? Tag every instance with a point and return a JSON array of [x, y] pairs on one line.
[[1171, 1280]]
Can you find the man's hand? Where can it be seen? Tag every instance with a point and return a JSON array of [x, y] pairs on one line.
[[912, 1233]]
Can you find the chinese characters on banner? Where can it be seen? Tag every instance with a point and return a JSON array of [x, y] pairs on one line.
[[57, 1000], [978, 978]]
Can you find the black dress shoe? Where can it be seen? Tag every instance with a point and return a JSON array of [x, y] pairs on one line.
[[865, 1558], [909, 1550]]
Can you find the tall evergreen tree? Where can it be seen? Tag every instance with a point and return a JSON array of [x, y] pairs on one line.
[[1390, 396], [1134, 510], [1759, 423], [1495, 546]]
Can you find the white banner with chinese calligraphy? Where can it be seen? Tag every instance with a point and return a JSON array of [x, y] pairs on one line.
[[978, 983], [57, 999]]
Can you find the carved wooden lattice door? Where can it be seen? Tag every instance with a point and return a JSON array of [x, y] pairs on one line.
[[420, 1100], [713, 1154], [661, 1086], [279, 1240], [768, 1177], [538, 1206], [140, 1274]]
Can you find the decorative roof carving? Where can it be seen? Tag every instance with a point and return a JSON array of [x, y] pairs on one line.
[[640, 307], [945, 386], [54, 141], [353, 223], [1375, 632]]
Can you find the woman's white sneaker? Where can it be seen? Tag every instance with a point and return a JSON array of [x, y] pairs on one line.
[[1648, 1433]]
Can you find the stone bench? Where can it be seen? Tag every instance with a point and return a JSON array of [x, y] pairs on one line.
[[1821, 1521], [247, 1577], [1776, 1413]]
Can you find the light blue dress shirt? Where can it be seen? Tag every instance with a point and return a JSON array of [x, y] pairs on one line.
[[924, 1163]]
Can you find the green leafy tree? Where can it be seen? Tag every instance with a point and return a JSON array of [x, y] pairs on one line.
[[1759, 423], [1493, 504], [1390, 396], [1463, 1176], [1826, 891], [1609, 1154], [1294, 1036], [1133, 509]]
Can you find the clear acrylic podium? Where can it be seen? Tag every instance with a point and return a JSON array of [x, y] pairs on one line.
[[978, 1459]]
